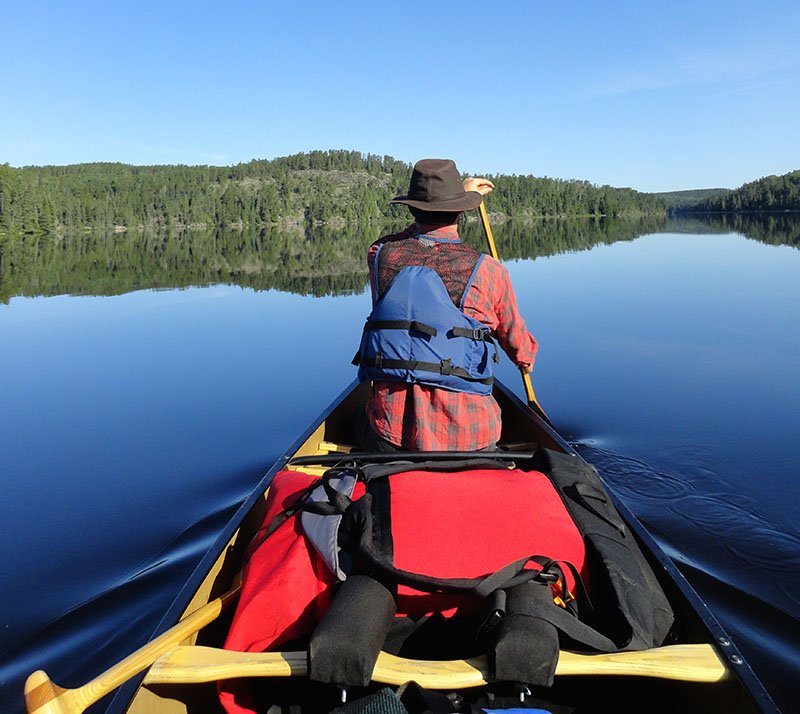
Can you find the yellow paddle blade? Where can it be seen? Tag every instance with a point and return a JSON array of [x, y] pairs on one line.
[[44, 697]]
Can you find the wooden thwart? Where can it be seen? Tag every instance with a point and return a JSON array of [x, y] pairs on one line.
[[184, 665]]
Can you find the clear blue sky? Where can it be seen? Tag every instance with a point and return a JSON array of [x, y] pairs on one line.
[[656, 96]]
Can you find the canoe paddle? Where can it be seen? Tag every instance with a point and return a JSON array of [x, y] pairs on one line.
[[526, 378], [42, 696]]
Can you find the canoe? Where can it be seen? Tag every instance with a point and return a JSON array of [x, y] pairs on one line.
[[698, 670]]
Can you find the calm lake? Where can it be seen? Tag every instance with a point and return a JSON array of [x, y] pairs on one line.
[[148, 382]]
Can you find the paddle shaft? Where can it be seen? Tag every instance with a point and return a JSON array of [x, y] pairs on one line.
[[526, 378]]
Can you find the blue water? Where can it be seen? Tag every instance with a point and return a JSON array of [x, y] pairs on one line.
[[132, 426]]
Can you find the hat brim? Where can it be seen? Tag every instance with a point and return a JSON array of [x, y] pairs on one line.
[[467, 202]]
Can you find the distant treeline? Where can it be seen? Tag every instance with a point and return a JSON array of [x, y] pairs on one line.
[[336, 188], [771, 193], [681, 200]]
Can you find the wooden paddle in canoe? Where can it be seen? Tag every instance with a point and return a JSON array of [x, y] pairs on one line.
[[526, 377]]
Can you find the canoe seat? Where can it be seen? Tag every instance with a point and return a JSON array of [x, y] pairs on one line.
[[324, 448], [329, 447]]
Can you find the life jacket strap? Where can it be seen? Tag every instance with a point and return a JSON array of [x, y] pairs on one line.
[[477, 334], [445, 367], [410, 325]]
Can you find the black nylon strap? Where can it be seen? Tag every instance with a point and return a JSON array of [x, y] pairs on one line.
[[508, 576], [574, 628], [337, 501], [336, 505], [514, 573], [557, 616], [584, 605], [381, 507], [377, 471], [444, 367], [477, 334], [410, 325]]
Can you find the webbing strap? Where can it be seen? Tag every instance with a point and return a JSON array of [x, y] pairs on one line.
[[477, 334], [336, 505], [444, 367], [411, 325], [507, 577], [370, 472], [573, 627], [515, 573]]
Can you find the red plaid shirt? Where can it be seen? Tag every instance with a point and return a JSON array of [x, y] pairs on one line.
[[419, 417]]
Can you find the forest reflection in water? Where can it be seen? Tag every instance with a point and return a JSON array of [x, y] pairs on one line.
[[314, 261]]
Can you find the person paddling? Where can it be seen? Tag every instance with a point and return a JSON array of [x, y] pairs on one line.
[[428, 345]]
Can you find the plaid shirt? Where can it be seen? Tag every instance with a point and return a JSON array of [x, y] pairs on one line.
[[419, 417]]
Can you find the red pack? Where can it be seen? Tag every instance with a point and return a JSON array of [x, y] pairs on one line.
[[448, 525]]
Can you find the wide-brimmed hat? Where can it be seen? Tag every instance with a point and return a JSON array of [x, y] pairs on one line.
[[436, 186]]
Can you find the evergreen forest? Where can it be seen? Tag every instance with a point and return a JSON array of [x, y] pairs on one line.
[[771, 193], [302, 223], [335, 188], [687, 200]]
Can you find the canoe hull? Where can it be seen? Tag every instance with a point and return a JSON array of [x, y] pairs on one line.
[[522, 430]]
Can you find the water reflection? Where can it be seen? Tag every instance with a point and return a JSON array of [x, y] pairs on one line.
[[318, 262], [769, 228]]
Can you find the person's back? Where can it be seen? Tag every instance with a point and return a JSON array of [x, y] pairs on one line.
[[432, 388]]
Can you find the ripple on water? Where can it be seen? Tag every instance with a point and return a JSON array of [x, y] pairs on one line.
[[701, 522], [635, 480]]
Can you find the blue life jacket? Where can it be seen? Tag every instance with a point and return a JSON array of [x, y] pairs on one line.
[[415, 334]]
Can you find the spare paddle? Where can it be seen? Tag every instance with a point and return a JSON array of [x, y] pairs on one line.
[[44, 697], [526, 378]]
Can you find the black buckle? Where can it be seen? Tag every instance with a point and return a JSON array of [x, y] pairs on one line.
[[446, 367], [378, 360]]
